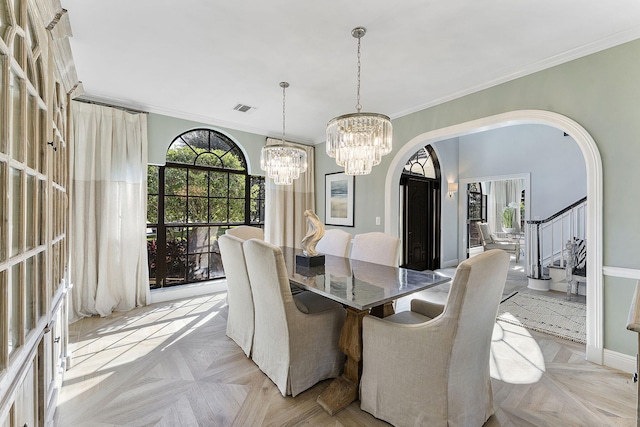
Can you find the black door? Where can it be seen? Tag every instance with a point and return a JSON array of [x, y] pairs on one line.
[[421, 223], [476, 213]]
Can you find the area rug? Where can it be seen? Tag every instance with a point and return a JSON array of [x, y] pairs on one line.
[[554, 316]]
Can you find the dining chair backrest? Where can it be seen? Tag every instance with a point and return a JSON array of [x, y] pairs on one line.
[[444, 375], [335, 242], [376, 247], [246, 232], [240, 320], [293, 348]]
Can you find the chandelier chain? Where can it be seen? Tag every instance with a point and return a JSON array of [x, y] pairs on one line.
[[284, 86], [358, 106]]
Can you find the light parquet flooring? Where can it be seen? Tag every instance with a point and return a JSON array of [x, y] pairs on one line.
[[171, 364]]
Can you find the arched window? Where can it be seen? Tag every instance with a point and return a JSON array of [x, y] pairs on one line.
[[203, 189], [423, 163]]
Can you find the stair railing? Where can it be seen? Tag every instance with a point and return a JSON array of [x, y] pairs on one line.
[[546, 239]]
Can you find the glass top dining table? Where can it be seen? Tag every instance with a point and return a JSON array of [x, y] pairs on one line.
[[358, 284], [364, 288]]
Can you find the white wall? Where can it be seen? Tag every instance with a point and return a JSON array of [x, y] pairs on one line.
[[556, 165], [447, 152]]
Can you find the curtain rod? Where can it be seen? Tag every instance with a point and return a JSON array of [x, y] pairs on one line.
[[104, 104]]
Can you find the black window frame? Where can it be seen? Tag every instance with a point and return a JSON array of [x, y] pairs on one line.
[[182, 256]]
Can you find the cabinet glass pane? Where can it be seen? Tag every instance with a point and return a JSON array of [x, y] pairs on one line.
[[4, 19], [16, 210], [31, 34], [41, 214], [42, 146], [18, 49], [17, 10], [40, 285], [3, 142], [4, 317], [30, 217], [32, 124], [29, 293], [14, 308], [15, 119], [4, 189]]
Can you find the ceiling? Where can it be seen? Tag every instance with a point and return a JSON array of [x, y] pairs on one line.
[[198, 59]]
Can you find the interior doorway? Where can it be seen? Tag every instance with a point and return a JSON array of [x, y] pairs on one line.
[[421, 211], [594, 178]]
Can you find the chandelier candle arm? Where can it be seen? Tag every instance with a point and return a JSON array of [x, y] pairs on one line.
[[359, 140], [283, 162]]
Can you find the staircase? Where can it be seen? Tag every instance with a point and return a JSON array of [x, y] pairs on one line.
[[547, 253]]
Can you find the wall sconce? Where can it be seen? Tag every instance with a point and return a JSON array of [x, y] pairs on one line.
[[452, 188]]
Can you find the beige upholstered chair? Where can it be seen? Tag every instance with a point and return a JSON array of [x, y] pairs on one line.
[[376, 247], [430, 366], [489, 241], [296, 340], [633, 324], [246, 232], [335, 242], [239, 297]]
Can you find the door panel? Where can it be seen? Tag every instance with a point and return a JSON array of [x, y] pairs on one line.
[[421, 234]]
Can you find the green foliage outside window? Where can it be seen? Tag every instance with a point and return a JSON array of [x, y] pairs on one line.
[[204, 193]]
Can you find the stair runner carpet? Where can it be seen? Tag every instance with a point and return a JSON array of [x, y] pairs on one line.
[[555, 316]]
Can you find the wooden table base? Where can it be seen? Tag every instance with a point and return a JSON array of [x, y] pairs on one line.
[[344, 389]]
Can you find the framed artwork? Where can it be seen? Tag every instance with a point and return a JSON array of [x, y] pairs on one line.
[[339, 199]]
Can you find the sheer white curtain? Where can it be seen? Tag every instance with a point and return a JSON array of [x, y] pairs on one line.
[[108, 265], [284, 222]]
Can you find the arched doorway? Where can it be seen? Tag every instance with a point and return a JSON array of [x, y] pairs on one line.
[[593, 163], [420, 194]]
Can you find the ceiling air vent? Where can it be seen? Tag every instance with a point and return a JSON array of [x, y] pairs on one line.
[[243, 108]]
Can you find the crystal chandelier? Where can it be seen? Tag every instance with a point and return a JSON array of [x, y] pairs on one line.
[[359, 140], [283, 162]]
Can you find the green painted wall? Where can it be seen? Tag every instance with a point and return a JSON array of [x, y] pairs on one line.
[[601, 92]]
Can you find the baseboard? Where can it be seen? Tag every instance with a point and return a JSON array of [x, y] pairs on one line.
[[561, 286], [620, 361], [450, 263], [188, 291]]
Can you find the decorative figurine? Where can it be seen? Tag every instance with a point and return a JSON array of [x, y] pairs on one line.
[[315, 231]]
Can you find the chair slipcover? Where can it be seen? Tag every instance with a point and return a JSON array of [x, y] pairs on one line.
[[376, 247], [335, 242], [430, 366], [295, 350], [246, 232], [239, 297], [489, 241]]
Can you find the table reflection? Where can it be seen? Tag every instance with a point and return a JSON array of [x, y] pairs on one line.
[[358, 284]]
